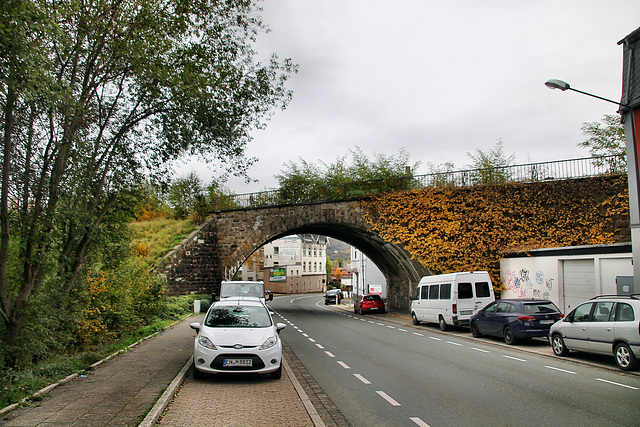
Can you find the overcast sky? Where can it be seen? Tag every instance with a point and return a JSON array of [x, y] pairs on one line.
[[438, 78]]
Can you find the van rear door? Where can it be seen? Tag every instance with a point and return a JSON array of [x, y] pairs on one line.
[[466, 300]]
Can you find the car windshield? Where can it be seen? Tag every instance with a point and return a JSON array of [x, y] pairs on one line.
[[541, 308], [238, 317], [372, 297]]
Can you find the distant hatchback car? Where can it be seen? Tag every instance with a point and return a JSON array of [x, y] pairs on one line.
[[369, 303], [238, 336], [333, 296], [608, 324], [514, 319]]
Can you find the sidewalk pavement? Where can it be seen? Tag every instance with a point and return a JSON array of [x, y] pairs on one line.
[[120, 391]]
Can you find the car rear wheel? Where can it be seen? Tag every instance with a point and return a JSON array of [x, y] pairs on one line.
[[509, 338], [557, 343], [442, 323], [277, 374], [625, 359], [475, 331], [414, 319]]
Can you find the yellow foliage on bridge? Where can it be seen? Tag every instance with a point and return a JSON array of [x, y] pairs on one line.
[[463, 229]]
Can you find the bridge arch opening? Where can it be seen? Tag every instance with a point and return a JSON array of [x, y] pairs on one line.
[[400, 271]]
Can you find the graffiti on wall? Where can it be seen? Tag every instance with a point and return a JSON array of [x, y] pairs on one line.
[[522, 284]]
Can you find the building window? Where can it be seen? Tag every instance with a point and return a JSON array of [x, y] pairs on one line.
[[276, 250], [315, 252], [304, 266]]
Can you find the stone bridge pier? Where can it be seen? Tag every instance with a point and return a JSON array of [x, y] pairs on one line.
[[218, 248]]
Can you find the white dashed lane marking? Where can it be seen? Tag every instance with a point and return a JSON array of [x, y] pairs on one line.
[[361, 378], [344, 365], [388, 398], [618, 384], [514, 358], [419, 422], [561, 370]]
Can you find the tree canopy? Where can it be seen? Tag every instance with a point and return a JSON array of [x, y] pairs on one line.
[[96, 93], [351, 175], [606, 139]]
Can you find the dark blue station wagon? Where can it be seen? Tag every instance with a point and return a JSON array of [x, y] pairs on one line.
[[514, 319]]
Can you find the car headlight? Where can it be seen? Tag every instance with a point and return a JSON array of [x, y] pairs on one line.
[[270, 342], [206, 342]]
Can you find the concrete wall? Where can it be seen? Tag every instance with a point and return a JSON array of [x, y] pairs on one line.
[[542, 276]]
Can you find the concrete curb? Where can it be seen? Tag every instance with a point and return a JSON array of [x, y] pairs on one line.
[[311, 410], [161, 404]]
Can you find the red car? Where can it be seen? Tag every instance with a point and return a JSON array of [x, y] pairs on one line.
[[367, 303]]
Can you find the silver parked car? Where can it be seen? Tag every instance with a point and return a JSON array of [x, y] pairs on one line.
[[607, 324]]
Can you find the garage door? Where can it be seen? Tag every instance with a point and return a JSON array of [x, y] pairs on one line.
[[579, 278]]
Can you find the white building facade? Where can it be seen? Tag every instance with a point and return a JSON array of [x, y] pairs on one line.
[[293, 264], [367, 277]]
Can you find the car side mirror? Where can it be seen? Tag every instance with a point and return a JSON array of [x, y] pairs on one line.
[[195, 326], [280, 326]]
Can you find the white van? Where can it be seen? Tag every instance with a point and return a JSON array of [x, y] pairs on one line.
[[451, 299], [231, 289]]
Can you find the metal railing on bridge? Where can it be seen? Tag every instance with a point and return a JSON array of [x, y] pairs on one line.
[[531, 172]]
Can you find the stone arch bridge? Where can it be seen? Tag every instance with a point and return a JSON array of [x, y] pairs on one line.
[[219, 247]]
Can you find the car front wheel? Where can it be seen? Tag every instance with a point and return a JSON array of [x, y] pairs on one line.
[[509, 338], [475, 331], [277, 374], [557, 343], [625, 359], [197, 375]]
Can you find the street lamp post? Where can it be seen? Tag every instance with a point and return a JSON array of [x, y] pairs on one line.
[[627, 114]]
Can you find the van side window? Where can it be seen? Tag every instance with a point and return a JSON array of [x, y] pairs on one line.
[[445, 291], [434, 291], [482, 290], [465, 291], [625, 313], [603, 311], [424, 292], [582, 312]]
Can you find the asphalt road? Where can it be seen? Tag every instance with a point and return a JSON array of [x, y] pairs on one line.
[[380, 373]]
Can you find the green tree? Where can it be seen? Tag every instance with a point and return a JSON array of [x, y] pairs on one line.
[[96, 93], [184, 194], [346, 177], [490, 167], [606, 143]]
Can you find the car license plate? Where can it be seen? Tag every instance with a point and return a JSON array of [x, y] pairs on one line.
[[463, 312], [374, 308], [236, 362], [547, 321]]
